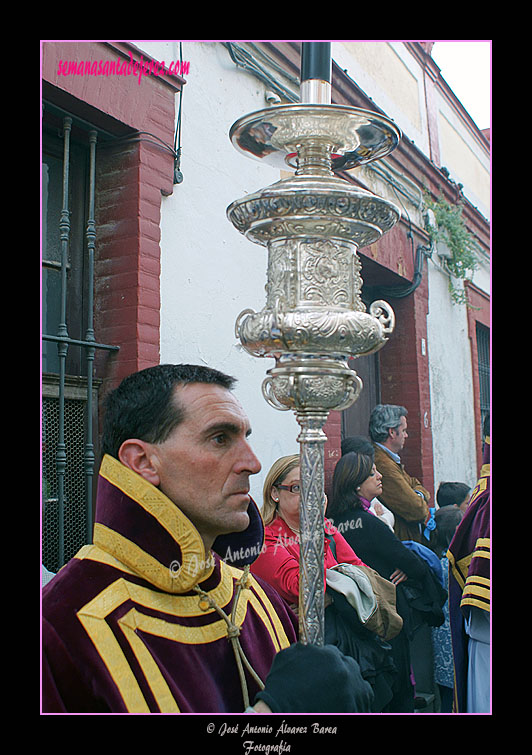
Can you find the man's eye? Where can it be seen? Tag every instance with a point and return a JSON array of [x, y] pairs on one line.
[[220, 439]]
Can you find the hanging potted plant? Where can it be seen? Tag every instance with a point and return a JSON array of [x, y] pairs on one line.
[[450, 230]]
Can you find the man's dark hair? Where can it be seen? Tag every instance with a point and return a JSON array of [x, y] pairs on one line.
[[447, 520], [451, 493], [359, 444], [143, 405], [486, 425]]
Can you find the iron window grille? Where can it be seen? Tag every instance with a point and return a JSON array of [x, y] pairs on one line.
[[483, 351], [69, 388]]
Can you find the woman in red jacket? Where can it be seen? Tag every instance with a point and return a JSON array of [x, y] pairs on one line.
[[278, 564]]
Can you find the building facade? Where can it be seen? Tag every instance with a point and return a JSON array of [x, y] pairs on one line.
[[141, 265]]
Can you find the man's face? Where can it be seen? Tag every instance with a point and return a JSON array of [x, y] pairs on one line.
[[398, 436], [205, 463]]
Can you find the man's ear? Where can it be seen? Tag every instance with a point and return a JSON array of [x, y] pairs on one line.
[[137, 455]]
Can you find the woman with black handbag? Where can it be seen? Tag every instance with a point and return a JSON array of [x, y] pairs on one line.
[[356, 482], [278, 564]]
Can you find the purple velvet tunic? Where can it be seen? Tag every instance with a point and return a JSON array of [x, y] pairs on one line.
[[125, 628], [469, 576]]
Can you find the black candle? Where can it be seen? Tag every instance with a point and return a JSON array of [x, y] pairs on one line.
[[316, 61]]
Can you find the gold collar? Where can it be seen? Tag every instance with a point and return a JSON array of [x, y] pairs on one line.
[[128, 503]]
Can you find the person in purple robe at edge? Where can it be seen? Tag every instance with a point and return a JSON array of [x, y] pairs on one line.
[[469, 558], [160, 613]]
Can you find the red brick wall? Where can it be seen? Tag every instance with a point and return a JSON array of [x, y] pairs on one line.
[[478, 311], [132, 175], [405, 380], [332, 452], [404, 370], [128, 259]]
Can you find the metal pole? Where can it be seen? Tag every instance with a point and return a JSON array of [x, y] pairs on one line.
[[314, 319], [62, 346], [316, 68], [89, 336], [315, 87], [311, 531]]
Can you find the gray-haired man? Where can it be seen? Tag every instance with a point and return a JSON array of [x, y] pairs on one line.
[[401, 493]]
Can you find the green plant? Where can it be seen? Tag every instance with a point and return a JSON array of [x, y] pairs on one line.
[[451, 230]]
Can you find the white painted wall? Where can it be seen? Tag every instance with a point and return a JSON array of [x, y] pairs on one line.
[[467, 162], [451, 385], [391, 76], [209, 271], [451, 378]]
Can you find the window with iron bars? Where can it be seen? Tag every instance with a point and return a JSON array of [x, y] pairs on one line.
[[483, 351], [75, 488], [69, 389]]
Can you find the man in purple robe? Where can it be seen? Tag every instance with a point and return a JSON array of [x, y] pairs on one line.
[[160, 612], [469, 557]]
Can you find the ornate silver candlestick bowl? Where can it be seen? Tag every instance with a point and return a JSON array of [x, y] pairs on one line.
[[314, 320]]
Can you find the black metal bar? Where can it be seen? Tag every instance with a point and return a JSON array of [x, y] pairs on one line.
[[62, 344], [76, 342], [316, 61], [89, 337]]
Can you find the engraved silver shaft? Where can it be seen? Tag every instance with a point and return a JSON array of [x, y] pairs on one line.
[[311, 530], [314, 319]]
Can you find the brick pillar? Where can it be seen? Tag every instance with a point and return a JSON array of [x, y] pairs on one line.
[[133, 172], [405, 380], [478, 311], [332, 451]]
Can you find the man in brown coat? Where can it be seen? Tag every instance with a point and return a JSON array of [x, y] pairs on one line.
[[401, 493]]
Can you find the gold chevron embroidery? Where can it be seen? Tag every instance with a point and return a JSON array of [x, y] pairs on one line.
[[151, 499], [94, 553], [479, 488], [94, 614], [270, 618], [459, 568], [263, 607], [188, 605], [92, 617], [169, 516], [175, 605], [477, 593], [186, 635], [130, 553], [161, 692]]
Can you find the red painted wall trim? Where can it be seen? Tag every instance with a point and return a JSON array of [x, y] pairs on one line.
[[132, 175], [478, 311], [405, 380], [404, 369]]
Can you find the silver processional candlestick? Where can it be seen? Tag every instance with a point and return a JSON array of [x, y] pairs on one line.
[[314, 320]]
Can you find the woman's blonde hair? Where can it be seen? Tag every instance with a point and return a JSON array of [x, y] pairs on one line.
[[275, 476]]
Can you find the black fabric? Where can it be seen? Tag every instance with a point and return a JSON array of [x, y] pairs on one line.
[[421, 597], [242, 548], [344, 630], [379, 548], [311, 679], [426, 598]]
